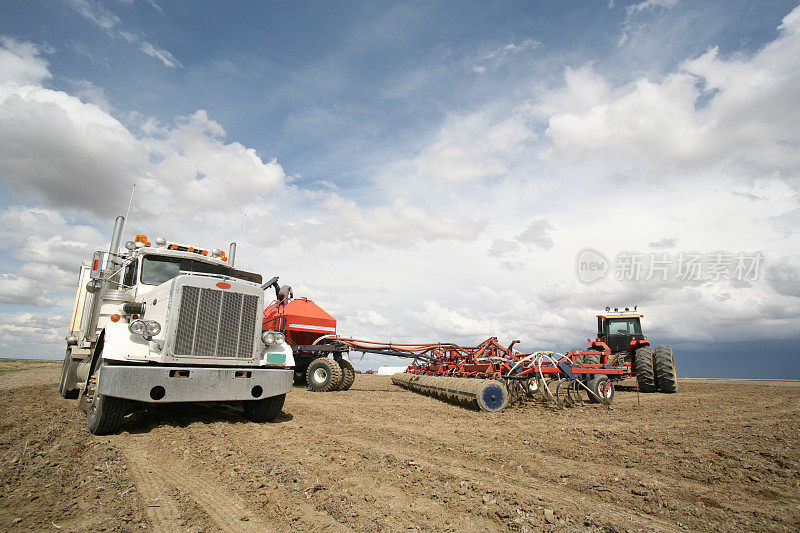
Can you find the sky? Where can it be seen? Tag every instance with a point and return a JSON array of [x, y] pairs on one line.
[[424, 171]]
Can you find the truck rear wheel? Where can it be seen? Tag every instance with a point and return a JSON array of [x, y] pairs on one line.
[[645, 375], [666, 376], [348, 374], [324, 375], [264, 410], [63, 390]]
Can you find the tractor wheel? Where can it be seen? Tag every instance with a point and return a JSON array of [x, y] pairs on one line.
[[264, 410], [666, 376], [348, 374], [602, 389], [645, 375], [105, 413], [300, 376], [324, 375], [69, 394], [591, 358]]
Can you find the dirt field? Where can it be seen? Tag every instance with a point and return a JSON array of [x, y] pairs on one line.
[[718, 456]]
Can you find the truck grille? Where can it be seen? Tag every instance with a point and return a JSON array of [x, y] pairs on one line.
[[214, 323]]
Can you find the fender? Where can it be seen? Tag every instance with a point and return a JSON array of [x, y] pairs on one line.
[[83, 405], [603, 346]]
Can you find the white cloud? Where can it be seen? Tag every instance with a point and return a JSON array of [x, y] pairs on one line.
[[198, 167], [637, 10], [538, 234], [21, 62], [454, 323], [19, 332], [399, 223], [56, 148], [161, 54], [101, 17], [473, 147], [784, 276], [504, 51], [648, 5], [22, 291], [502, 247], [749, 125], [90, 93]]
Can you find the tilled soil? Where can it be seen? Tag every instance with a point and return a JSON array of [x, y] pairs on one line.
[[717, 456]]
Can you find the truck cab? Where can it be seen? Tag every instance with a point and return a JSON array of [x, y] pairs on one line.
[[167, 322]]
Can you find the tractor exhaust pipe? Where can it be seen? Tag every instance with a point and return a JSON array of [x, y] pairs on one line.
[[232, 254]]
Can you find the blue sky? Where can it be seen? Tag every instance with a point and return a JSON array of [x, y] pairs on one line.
[[425, 171]]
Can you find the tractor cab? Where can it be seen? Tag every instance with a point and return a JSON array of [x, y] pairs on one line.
[[619, 331]]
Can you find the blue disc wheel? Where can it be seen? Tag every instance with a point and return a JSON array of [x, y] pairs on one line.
[[492, 397]]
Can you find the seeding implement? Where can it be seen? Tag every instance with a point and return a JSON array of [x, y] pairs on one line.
[[490, 376]]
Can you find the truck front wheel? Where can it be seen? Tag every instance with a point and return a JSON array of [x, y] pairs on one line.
[[105, 413], [265, 410]]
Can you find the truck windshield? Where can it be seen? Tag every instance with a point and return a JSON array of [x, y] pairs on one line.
[[156, 269]]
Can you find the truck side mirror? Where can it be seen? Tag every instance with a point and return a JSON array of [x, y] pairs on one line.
[[97, 266], [93, 285]]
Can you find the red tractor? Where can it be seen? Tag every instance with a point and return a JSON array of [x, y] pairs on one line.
[[620, 342]]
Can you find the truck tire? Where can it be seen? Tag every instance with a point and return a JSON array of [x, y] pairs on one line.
[[264, 410], [645, 375], [666, 376], [324, 375], [602, 389], [69, 394], [348, 374], [104, 415]]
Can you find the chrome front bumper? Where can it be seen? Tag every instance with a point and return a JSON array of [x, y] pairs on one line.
[[162, 384]]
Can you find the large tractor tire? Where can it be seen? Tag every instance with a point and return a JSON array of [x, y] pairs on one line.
[[324, 375], [591, 358], [264, 410], [348, 374], [63, 386], [645, 374], [666, 376]]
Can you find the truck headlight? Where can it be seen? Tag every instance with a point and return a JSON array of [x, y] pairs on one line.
[[146, 328], [279, 337], [153, 327], [137, 327], [268, 337]]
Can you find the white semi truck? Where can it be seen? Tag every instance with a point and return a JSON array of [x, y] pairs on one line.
[[165, 322]]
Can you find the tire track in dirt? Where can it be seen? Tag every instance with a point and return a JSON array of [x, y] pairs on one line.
[[480, 468], [155, 473], [162, 510]]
